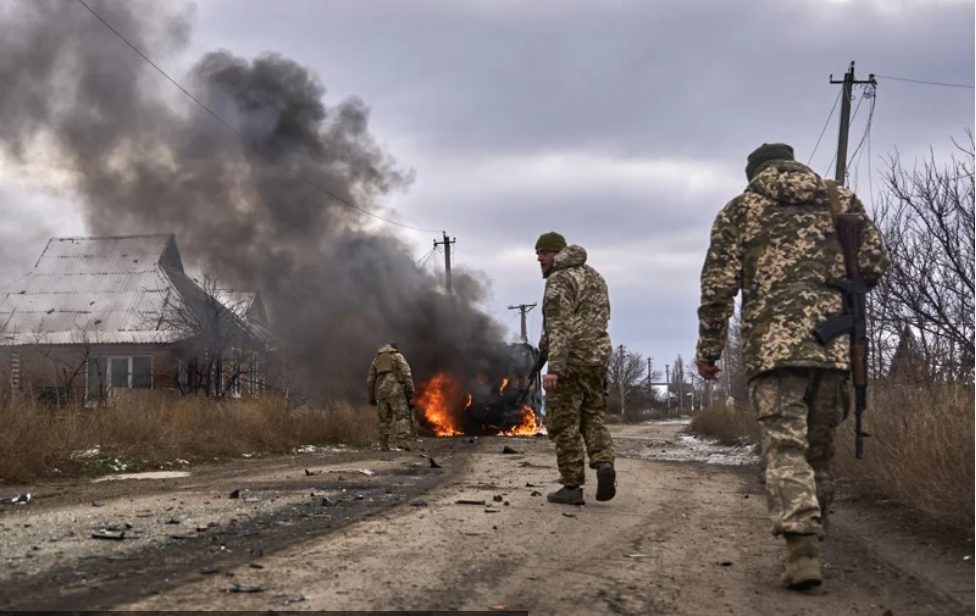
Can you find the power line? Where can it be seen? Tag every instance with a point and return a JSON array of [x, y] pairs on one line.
[[929, 83], [824, 129], [236, 132]]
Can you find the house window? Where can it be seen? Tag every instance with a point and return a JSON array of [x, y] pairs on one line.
[[122, 372]]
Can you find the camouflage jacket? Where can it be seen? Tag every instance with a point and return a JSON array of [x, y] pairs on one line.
[[575, 312], [389, 375], [777, 243]]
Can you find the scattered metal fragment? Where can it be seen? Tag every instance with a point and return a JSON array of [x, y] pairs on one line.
[[309, 473], [184, 537], [235, 494], [507, 449], [532, 485], [536, 493], [467, 501], [173, 521], [418, 502], [235, 587], [327, 503], [569, 515], [255, 565], [497, 498], [20, 499], [367, 472], [108, 534], [433, 463], [209, 571], [724, 563]]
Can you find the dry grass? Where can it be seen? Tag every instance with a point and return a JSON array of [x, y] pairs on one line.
[[919, 456], [727, 425], [36, 440], [920, 453]]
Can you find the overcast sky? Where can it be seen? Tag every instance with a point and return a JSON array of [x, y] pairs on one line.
[[623, 125]]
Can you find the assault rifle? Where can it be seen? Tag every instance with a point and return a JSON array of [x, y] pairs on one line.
[[853, 321], [533, 376]]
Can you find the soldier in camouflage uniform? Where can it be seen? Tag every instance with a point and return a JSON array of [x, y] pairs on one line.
[[776, 242], [576, 310], [390, 388]]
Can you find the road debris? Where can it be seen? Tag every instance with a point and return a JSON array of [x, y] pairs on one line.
[[103, 533], [235, 494], [507, 449], [235, 587], [326, 502], [418, 502], [367, 472], [309, 473], [468, 501], [20, 499], [536, 493], [433, 463], [724, 563], [569, 515], [498, 498], [639, 556]]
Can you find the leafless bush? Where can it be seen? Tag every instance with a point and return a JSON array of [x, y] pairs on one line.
[[925, 304], [727, 425]]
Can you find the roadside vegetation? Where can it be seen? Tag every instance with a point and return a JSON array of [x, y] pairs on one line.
[[164, 431]]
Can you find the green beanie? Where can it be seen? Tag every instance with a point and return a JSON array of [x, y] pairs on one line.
[[765, 153], [550, 242]]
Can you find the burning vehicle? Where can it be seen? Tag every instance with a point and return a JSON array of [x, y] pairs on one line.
[[504, 400]]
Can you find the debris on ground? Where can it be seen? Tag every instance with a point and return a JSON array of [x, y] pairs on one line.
[[433, 463], [724, 563], [569, 515], [498, 498], [255, 565], [367, 472], [235, 494], [327, 503], [638, 556], [418, 502], [111, 535], [508, 449], [536, 493], [468, 501], [309, 473], [244, 589], [20, 499]]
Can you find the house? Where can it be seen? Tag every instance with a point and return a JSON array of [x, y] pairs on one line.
[[101, 314]]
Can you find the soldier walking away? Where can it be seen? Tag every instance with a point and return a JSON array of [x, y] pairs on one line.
[[777, 243], [576, 310], [390, 388]]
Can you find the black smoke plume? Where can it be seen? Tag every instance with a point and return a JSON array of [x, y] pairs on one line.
[[144, 159]]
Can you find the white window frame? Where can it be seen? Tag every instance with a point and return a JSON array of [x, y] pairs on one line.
[[108, 371]]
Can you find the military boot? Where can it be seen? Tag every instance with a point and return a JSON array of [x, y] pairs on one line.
[[566, 495], [803, 569], [606, 481]]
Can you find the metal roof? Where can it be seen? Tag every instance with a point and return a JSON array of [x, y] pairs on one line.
[[110, 290]]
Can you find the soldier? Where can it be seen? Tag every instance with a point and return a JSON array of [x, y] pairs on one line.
[[390, 388], [777, 243], [575, 311]]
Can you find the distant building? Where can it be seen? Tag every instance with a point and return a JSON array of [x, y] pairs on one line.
[[98, 315]]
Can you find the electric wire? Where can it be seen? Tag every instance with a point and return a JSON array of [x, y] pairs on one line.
[[236, 132], [824, 129], [929, 83]]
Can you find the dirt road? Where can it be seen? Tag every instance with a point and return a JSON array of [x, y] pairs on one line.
[[362, 530]]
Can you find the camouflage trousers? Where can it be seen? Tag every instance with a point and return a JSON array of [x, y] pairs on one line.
[[394, 415], [576, 415], [799, 410]]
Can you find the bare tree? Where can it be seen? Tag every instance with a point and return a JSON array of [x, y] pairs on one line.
[[926, 217], [625, 377]]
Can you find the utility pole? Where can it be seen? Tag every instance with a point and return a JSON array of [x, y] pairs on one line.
[[650, 391], [840, 171], [523, 309], [620, 378], [447, 260], [667, 392]]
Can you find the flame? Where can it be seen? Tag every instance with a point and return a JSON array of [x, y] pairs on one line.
[[435, 402], [501, 389], [528, 427]]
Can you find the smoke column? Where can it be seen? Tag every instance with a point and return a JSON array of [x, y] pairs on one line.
[[144, 159]]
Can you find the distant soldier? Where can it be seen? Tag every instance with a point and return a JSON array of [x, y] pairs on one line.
[[390, 388], [777, 243], [576, 310]]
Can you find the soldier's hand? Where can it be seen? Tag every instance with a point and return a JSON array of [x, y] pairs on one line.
[[550, 381], [708, 370]]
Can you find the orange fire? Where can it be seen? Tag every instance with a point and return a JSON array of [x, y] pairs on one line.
[[501, 389], [528, 427], [435, 401]]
